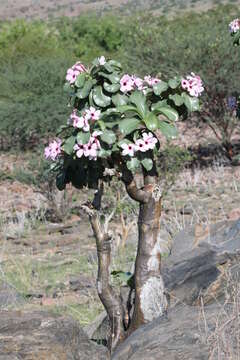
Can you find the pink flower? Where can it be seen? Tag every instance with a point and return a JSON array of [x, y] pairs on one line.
[[94, 138], [138, 82], [92, 114], [102, 60], [90, 150], [128, 149], [127, 83], [74, 71], [140, 145], [79, 122], [149, 140], [151, 80], [184, 83], [53, 150], [79, 149], [193, 84], [234, 26]]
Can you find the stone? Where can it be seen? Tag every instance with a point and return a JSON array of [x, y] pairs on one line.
[[172, 337], [44, 336]]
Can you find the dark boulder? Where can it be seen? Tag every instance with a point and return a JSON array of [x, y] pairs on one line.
[[44, 336]]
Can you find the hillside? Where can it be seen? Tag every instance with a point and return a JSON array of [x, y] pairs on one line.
[[29, 9]]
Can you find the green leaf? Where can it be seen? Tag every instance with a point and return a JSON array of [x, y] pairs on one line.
[[138, 98], [159, 104], [147, 164], [168, 130], [80, 80], [83, 137], [177, 99], [119, 100], [133, 164], [101, 125], [192, 103], [128, 125], [108, 67], [112, 88], [127, 108], [84, 92], [160, 87], [104, 153], [174, 83], [114, 78], [124, 277], [68, 145], [115, 64], [67, 88], [108, 137], [168, 111], [151, 121], [99, 98]]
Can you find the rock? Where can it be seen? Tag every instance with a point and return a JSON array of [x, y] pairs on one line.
[[200, 261], [81, 283], [173, 337], [45, 336], [99, 328], [9, 296]]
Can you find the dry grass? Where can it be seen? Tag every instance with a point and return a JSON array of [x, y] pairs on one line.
[[223, 336]]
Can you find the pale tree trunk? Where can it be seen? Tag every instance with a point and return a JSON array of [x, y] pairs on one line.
[[150, 298]]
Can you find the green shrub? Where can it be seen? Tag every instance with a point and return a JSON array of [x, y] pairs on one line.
[[194, 42]]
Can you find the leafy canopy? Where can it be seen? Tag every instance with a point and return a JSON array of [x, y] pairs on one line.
[[115, 120]]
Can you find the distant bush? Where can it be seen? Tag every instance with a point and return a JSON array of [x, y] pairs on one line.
[[33, 59], [199, 42], [90, 35]]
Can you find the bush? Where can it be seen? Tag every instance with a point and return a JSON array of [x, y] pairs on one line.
[[197, 42]]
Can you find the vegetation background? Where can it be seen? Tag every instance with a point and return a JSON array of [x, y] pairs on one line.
[[39, 40]]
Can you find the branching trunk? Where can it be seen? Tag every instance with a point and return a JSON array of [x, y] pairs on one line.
[[110, 300], [150, 300]]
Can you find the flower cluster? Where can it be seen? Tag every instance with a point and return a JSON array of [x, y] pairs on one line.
[[90, 149], [151, 80], [53, 150], [147, 142], [82, 122], [74, 71], [234, 26], [132, 82], [193, 84]]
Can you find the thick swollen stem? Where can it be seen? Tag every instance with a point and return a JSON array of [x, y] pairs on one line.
[[150, 298], [110, 300]]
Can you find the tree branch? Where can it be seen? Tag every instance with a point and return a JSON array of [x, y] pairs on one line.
[[110, 300]]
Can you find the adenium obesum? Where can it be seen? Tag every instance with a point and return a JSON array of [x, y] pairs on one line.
[[115, 119], [234, 28]]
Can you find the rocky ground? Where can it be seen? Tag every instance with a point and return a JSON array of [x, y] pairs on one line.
[[48, 257], [30, 9]]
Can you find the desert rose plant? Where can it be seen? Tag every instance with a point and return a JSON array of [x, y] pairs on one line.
[[112, 131]]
